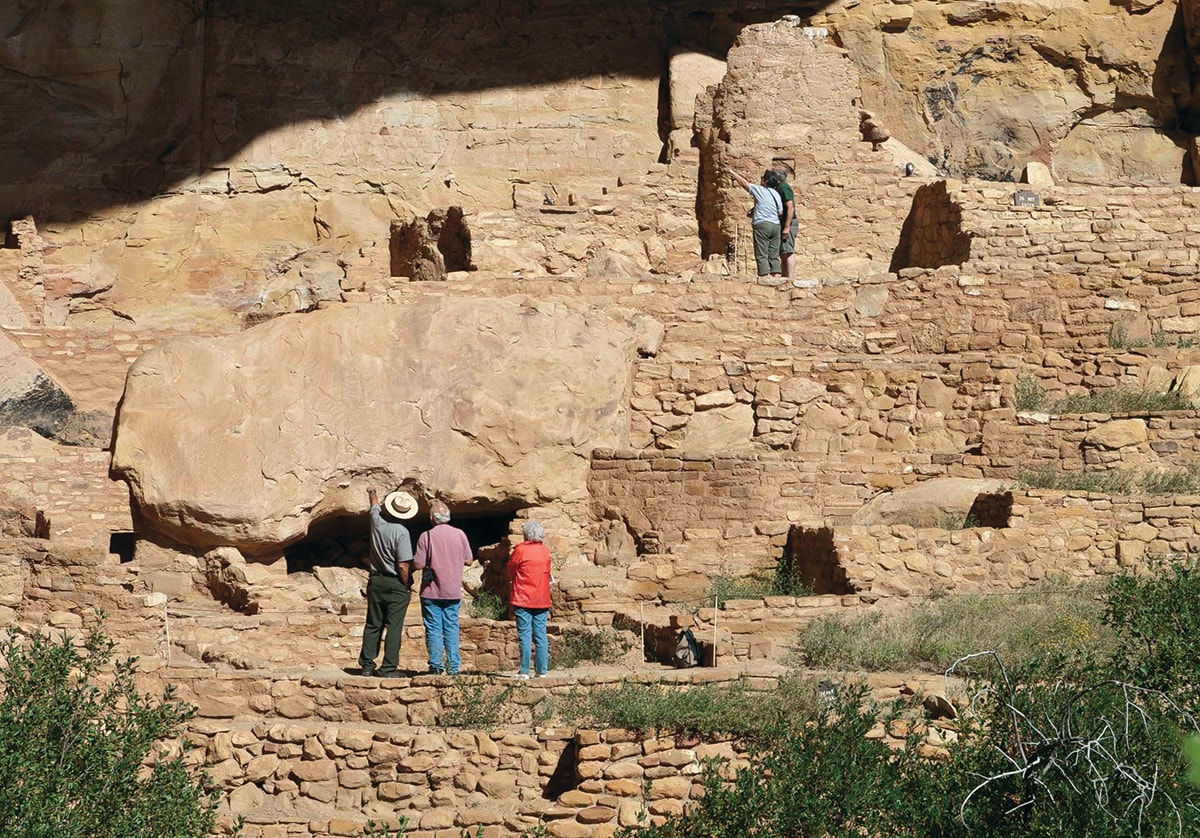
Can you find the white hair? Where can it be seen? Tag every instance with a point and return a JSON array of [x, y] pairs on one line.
[[533, 531], [439, 512]]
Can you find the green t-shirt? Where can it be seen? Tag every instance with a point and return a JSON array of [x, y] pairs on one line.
[[786, 194]]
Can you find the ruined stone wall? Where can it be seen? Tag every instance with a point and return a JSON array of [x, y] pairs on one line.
[[1164, 443], [790, 95], [1130, 235], [317, 756], [767, 628], [69, 484], [1051, 533]]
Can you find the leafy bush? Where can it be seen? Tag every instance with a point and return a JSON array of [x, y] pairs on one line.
[[593, 645], [782, 581], [1084, 754], [476, 702], [75, 734], [1029, 393], [1084, 742], [489, 606], [1158, 619], [823, 778]]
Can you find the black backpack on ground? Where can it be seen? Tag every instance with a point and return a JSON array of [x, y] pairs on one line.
[[687, 650]]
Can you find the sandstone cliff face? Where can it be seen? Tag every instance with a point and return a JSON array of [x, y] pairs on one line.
[[492, 404], [192, 163], [265, 148], [1096, 89]]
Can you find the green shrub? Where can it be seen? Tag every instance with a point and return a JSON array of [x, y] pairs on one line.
[[1084, 753], [1085, 742], [75, 734], [781, 581], [578, 644], [705, 709], [1030, 396], [1118, 338], [488, 606], [822, 778], [1113, 482], [1029, 393], [1158, 619], [476, 702]]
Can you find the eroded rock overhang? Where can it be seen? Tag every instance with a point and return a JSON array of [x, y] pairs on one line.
[[248, 440]]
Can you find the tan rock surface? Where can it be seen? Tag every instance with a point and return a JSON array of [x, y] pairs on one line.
[[1090, 88], [1117, 434], [247, 440], [925, 504]]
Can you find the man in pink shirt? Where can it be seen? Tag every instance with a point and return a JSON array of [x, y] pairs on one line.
[[442, 553]]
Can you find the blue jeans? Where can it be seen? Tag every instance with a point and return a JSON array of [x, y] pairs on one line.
[[531, 630], [440, 617]]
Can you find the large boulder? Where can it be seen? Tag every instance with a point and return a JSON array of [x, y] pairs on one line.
[[940, 502], [28, 396], [496, 403]]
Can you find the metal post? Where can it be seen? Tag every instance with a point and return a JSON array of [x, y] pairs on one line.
[[716, 604], [167, 628], [642, 621]]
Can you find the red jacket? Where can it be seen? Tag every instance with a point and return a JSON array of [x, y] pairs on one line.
[[529, 575]]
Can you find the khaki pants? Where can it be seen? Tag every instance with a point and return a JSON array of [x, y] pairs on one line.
[[766, 248]]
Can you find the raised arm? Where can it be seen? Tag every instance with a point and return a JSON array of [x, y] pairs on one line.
[[741, 181]]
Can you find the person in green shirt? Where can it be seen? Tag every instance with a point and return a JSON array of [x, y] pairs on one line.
[[789, 223]]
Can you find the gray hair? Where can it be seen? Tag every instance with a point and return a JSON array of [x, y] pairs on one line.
[[439, 513], [533, 531]]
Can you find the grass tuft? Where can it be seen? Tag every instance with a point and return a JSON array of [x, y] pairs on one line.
[[1030, 396], [488, 606], [476, 702], [1114, 482], [1053, 618], [735, 709]]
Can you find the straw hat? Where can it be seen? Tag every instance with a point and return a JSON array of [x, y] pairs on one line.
[[400, 505]]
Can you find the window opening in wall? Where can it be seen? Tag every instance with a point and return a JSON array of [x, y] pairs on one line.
[[427, 249], [563, 778], [991, 510], [122, 544], [11, 242], [811, 558]]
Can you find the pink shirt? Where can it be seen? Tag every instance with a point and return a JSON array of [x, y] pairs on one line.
[[443, 551]]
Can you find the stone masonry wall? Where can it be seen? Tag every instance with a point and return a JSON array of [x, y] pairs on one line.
[[319, 756], [1051, 533], [849, 197], [1164, 443]]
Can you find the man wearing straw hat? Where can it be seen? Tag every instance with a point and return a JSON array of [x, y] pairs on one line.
[[390, 584]]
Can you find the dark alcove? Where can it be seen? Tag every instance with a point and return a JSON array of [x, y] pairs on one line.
[[811, 558]]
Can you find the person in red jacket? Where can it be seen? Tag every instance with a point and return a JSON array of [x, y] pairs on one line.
[[529, 595]]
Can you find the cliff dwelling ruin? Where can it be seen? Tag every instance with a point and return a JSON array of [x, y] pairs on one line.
[[259, 256]]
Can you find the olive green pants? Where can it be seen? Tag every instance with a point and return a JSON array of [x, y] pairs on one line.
[[387, 603]]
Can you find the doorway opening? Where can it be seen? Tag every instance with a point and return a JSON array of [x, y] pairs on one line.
[[811, 559]]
